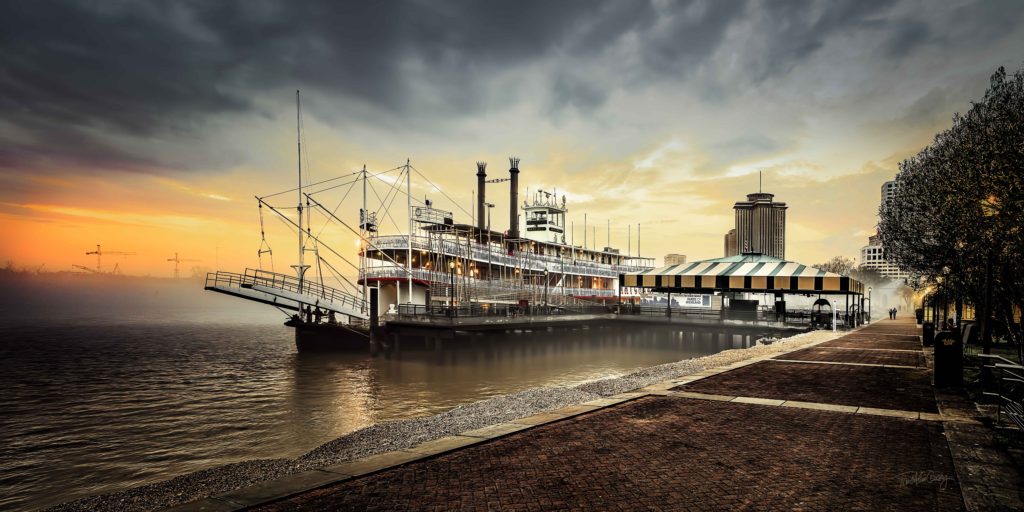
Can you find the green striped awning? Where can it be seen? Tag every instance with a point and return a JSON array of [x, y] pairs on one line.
[[743, 273]]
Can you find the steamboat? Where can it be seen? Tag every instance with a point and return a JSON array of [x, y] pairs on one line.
[[436, 273]]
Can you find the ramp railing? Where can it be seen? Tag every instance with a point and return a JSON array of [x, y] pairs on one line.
[[264, 278]]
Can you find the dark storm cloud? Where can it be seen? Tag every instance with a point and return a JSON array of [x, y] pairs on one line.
[[789, 31], [160, 69], [82, 82], [906, 35]]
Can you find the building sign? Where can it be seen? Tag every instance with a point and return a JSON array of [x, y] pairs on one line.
[[694, 301]]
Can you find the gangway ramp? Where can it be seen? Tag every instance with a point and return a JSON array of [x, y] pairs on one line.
[[285, 291]]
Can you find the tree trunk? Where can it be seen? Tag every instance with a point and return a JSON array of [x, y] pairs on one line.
[[986, 319]]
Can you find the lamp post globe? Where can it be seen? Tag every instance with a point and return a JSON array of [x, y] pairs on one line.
[[451, 291], [869, 304]]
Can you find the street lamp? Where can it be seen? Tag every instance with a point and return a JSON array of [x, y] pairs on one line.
[[545, 289], [833, 315], [489, 206], [451, 291], [869, 304]]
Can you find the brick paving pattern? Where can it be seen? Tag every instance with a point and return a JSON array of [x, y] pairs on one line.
[[666, 453], [856, 356], [862, 386], [891, 336], [873, 343]]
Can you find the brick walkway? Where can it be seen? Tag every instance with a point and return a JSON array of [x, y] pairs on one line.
[[677, 453], [665, 453], [886, 343], [860, 386], [836, 355]]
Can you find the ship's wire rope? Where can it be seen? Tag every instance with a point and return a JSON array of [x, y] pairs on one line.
[[350, 228], [293, 226], [310, 185], [332, 187], [340, 277], [327, 220], [264, 243], [439, 189], [389, 199]]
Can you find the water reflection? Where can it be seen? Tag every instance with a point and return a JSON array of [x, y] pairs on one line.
[[425, 376]]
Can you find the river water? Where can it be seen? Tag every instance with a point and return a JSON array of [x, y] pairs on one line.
[[111, 383]]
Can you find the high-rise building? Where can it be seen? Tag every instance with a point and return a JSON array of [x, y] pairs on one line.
[[873, 255], [888, 191], [675, 259], [761, 225], [730, 243]]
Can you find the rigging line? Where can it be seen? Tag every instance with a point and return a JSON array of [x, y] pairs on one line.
[[312, 184], [328, 221], [339, 276], [332, 187], [396, 187], [350, 184], [286, 314], [387, 207], [264, 243], [356, 180], [365, 240], [439, 189], [390, 201], [329, 248]]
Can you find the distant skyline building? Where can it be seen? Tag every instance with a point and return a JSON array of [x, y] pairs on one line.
[[873, 256], [730, 243], [675, 259], [889, 191], [761, 225]]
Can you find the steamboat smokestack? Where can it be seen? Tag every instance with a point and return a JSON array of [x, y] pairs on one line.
[[481, 182], [513, 221]]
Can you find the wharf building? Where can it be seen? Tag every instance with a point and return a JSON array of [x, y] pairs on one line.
[[675, 259], [760, 227]]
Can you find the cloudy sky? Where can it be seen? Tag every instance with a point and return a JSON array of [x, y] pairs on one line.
[[150, 126]]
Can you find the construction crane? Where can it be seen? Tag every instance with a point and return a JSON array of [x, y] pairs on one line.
[[177, 261], [87, 269], [99, 256]]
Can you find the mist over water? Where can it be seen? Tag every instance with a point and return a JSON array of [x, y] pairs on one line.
[[111, 383]]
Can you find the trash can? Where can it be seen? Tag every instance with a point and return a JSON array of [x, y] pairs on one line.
[[919, 314], [928, 334], [949, 360]]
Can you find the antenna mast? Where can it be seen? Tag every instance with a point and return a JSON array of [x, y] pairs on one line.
[[300, 269], [408, 202]]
